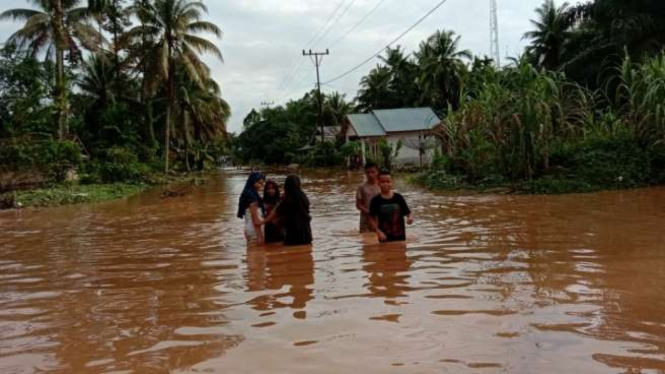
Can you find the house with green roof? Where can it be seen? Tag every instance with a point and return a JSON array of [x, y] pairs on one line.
[[409, 127]]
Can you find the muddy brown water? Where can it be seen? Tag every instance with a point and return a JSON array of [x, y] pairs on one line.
[[485, 284]]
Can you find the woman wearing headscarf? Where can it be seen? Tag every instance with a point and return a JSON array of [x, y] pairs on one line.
[[250, 208], [293, 212]]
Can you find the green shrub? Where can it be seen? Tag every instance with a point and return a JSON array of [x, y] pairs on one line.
[[322, 155], [116, 165], [617, 162], [52, 158]]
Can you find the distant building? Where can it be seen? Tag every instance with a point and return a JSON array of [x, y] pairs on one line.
[[412, 127], [330, 133]]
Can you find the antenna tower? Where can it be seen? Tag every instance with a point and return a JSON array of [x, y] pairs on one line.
[[495, 53]]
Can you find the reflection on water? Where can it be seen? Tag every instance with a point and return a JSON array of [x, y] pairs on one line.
[[287, 275], [516, 284]]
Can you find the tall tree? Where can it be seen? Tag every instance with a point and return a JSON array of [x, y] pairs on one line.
[[604, 29], [550, 34], [172, 26], [403, 82], [375, 90], [203, 114], [56, 27], [441, 65]]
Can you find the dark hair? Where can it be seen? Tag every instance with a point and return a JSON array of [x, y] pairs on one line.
[[249, 194], [271, 199], [370, 165], [384, 171]]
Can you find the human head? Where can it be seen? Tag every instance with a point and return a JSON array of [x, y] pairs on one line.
[[255, 181], [291, 185], [385, 181], [271, 192], [371, 172], [271, 188], [250, 193]]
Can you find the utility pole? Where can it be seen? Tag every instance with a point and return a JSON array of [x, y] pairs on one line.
[[317, 59], [267, 104]]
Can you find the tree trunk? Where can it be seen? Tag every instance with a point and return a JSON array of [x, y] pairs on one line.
[[116, 51], [169, 110], [167, 128], [185, 128], [60, 94], [146, 97], [150, 123]]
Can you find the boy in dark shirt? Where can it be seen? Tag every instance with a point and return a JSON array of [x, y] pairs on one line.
[[388, 211]]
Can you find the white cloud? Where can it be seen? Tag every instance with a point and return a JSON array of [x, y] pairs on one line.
[[263, 40]]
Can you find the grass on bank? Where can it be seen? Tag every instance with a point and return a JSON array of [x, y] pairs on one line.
[[72, 194], [69, 195]]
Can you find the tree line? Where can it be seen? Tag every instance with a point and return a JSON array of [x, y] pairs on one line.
[[580, 107], [121, 83]]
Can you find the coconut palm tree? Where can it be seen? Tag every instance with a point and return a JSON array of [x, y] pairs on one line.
[[441, 65], [603, 30], [375, 90], [552, 30], [56, 27], [203, 114], [171, 26], [404, 76], [336, 108], [97, 79]]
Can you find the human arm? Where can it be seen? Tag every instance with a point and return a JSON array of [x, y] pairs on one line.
[[406, 211], [271, 216], [360, 205], [360, 201], [374, 225], [374, 221], [257, 221]]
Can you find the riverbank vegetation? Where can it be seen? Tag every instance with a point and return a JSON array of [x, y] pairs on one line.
[[107, 92], [581, 109]]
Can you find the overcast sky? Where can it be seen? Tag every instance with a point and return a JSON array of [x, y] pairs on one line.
[[263, 40]]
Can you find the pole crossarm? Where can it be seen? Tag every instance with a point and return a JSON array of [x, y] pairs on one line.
[[317, 59]]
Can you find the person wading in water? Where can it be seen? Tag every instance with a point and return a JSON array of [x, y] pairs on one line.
[[250, 208], [365, 193], [293, 212]]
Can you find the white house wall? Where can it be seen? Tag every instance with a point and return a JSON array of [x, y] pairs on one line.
[[409, 154]]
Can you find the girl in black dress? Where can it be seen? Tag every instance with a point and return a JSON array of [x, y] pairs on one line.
[[293, 212], [274, 233]]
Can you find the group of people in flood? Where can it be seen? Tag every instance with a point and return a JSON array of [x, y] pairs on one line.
[[276, 217]]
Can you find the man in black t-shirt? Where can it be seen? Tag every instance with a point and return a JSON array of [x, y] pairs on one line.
[[388, 211]]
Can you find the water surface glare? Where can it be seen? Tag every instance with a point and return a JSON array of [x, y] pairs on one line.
[[485, 284]]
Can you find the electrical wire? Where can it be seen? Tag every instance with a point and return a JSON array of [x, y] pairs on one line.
[[377, 54], [332, 25], [358, 24], [297, 63]]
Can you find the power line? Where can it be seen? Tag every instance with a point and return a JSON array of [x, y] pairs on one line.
[[316, 35], [389, 44], [358, 24], [299, 87], [293, 71], [297, 63], [330, 27]]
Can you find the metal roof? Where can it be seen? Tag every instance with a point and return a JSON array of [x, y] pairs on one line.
[[329, 130], [413, 119], [366, 125]]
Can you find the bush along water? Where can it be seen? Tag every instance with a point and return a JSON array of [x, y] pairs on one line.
[[535, 132]]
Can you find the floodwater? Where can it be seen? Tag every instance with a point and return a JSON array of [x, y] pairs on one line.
[[485, 284]]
